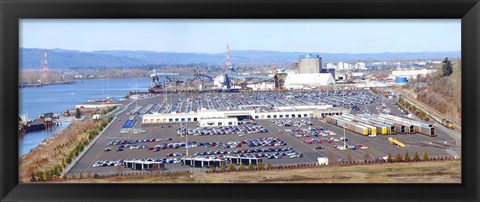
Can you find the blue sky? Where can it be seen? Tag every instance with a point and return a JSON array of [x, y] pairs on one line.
[[210, 36]]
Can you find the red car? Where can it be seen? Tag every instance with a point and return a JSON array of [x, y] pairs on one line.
[[150, 148]]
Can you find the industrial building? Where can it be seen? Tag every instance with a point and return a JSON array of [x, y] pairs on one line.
[[302, 81], [310, 64], [331, 71], [214, 118], [401, 80], [410, 74], [216, 122], [360, 65]]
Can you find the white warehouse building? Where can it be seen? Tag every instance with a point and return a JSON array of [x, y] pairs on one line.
[[300, 81], [212, 118], [410, 74]]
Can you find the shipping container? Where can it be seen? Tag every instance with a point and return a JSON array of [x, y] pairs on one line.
[[348, 124], [416, 126], [372, 126]]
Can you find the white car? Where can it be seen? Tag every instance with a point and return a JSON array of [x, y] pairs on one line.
[[372, 135], [341, 148]]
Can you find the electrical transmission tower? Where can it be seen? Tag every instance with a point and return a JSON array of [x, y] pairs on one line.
[[44, 65]]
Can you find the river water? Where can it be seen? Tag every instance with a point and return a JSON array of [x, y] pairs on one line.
[[36, 101]]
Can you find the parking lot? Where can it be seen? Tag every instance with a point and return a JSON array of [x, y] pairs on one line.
[[259, 100], [267, 140]]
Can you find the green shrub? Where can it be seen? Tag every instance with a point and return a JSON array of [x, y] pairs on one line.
[[260, 165], [269, 165], [407, 157], [77, 113], [232, 167], [425, 156], [250, 166], [416, 157], [241, 167], [398, 158]]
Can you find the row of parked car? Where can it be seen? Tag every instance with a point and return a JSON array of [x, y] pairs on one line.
[[292, 122], [270, 153], [124, 142], [246, 151], [134, 110], [324, 140], [383, 109], [105, 163], [119, 162], [351, 147], [349, 99], [313, 132], [226, 130], [132, 130]]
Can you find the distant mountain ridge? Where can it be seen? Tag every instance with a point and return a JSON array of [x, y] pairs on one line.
[[60, 58]]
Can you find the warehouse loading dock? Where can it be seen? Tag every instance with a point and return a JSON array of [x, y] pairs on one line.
[[243, 160], [144, 165], [202, 162]]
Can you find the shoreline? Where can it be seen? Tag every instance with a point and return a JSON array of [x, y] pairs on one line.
[[44, 141], [39, 140]]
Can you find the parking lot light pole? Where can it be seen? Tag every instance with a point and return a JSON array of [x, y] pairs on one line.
[[186, 139], [309, 126], [344, 143]]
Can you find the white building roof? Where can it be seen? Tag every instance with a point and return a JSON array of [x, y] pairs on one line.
[[313, 80], [411, 72]]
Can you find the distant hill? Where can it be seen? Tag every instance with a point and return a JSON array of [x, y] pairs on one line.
[[59, 58]]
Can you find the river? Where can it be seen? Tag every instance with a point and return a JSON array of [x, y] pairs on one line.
[[58, 98]]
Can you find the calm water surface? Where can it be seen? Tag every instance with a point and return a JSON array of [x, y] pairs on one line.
[[36, 101]]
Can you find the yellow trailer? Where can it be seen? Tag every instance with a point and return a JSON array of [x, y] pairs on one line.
[[395, 141]]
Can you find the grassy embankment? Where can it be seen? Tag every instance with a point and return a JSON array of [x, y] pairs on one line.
[[46, 161], [443, 93], [411, 172]]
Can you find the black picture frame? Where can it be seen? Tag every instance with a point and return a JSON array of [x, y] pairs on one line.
[[13, 10]]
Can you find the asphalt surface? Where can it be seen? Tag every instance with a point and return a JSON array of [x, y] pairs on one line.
[[378, 146]]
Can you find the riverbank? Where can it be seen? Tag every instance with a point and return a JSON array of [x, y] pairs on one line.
[[47, 160], [36, 101], [38, 85]]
